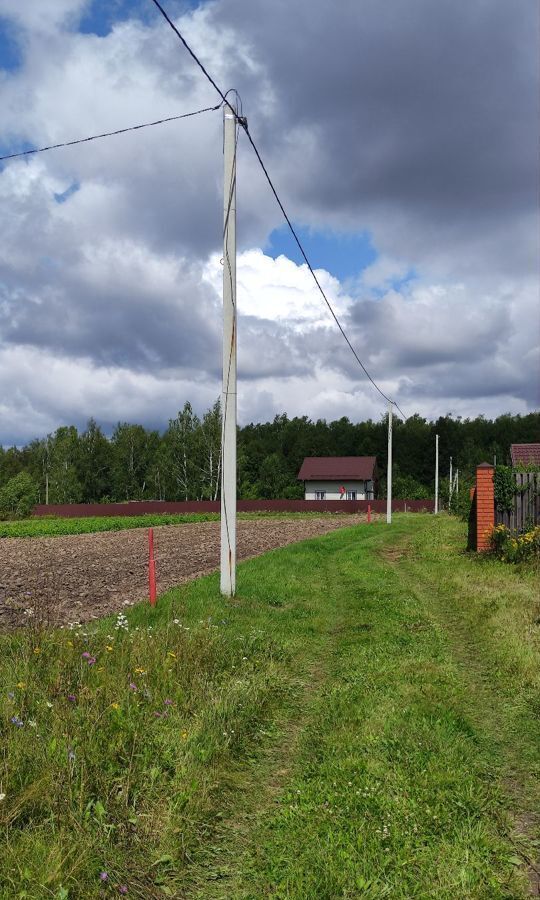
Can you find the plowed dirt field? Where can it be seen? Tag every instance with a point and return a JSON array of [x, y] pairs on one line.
[[74, 578]]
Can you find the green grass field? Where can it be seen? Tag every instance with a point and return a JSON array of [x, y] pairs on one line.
[[52, 526], [362, 721]]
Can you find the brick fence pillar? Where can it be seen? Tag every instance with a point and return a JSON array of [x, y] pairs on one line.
[[485, 506]]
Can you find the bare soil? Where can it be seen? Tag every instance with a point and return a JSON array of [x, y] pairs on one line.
[[74, 578]]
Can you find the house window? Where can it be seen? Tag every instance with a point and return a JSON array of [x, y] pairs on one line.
[[351, 495], [320, 495]]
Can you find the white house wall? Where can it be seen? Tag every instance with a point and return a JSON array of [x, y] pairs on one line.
[[332, 492]]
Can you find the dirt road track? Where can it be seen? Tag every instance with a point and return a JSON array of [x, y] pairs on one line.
[[80, 577]]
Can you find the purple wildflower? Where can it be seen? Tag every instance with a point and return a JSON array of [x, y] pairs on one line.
[[133, 686], [103, 876], [157, 714], [91, 660], [168, 702], [16, 721], [72, 698], [122, 889], [86, 655]]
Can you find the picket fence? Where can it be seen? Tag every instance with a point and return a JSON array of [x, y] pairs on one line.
[[526, 507]]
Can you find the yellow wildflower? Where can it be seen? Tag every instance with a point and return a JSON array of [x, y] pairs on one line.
[[37, 650], [22, 685], [108, 647], [139, 671], [115, 705]]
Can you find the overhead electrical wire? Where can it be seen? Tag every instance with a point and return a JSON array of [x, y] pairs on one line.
[[105, 134], [242, 121]]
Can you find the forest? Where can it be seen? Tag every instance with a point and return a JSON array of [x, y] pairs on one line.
[[183, 461]]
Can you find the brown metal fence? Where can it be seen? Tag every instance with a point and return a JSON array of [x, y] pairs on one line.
[[526, 509], [142, 507]]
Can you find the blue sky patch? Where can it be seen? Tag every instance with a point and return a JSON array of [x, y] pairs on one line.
[[10, 51], [342, 254], [65, 195], [103, 15]]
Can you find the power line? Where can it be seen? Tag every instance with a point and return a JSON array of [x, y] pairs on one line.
[[192, 54], [105, 134], [242, 121]]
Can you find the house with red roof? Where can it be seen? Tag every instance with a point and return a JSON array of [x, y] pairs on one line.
[[525, 455], [339, 477]]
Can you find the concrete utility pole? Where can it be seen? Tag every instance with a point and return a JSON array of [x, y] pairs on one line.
[[450, 486], [436, 474], [228, 402], [389, 471]]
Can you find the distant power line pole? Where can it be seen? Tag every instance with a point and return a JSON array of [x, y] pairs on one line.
[[228, 406], [450, 486], [389, 471], [436, 474]]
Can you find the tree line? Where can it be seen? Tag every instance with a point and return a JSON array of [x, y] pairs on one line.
[[183, 461]]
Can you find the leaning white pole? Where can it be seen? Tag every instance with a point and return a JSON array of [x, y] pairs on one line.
[[436, 474], [389, 471], [228, 402]]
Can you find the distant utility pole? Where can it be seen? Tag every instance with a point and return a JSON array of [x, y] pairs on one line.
[[228, 404], [436, 474], [389, 471], [450, 486]]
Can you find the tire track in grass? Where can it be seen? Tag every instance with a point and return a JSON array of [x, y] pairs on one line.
[[219, 873], [493, 710]]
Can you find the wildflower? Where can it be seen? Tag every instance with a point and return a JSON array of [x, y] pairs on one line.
[[122, 889], [158, 715], [21, 685], [168, 702], [115, 705], [69, 643], [103, 876], [49, 704], [91, 661], [72, 698], [37, 650], [16, 721], [109, 648], [86, 655], [184, 735], [139, 671], [176, 621], [133, 686], [32, 723]]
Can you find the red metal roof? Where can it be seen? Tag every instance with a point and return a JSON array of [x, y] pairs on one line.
[[334, 468], [526, 454]]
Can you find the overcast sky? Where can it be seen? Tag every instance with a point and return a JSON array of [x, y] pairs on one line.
[[403, 140]]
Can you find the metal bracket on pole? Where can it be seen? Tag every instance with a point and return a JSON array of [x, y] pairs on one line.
[[228, 402]]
